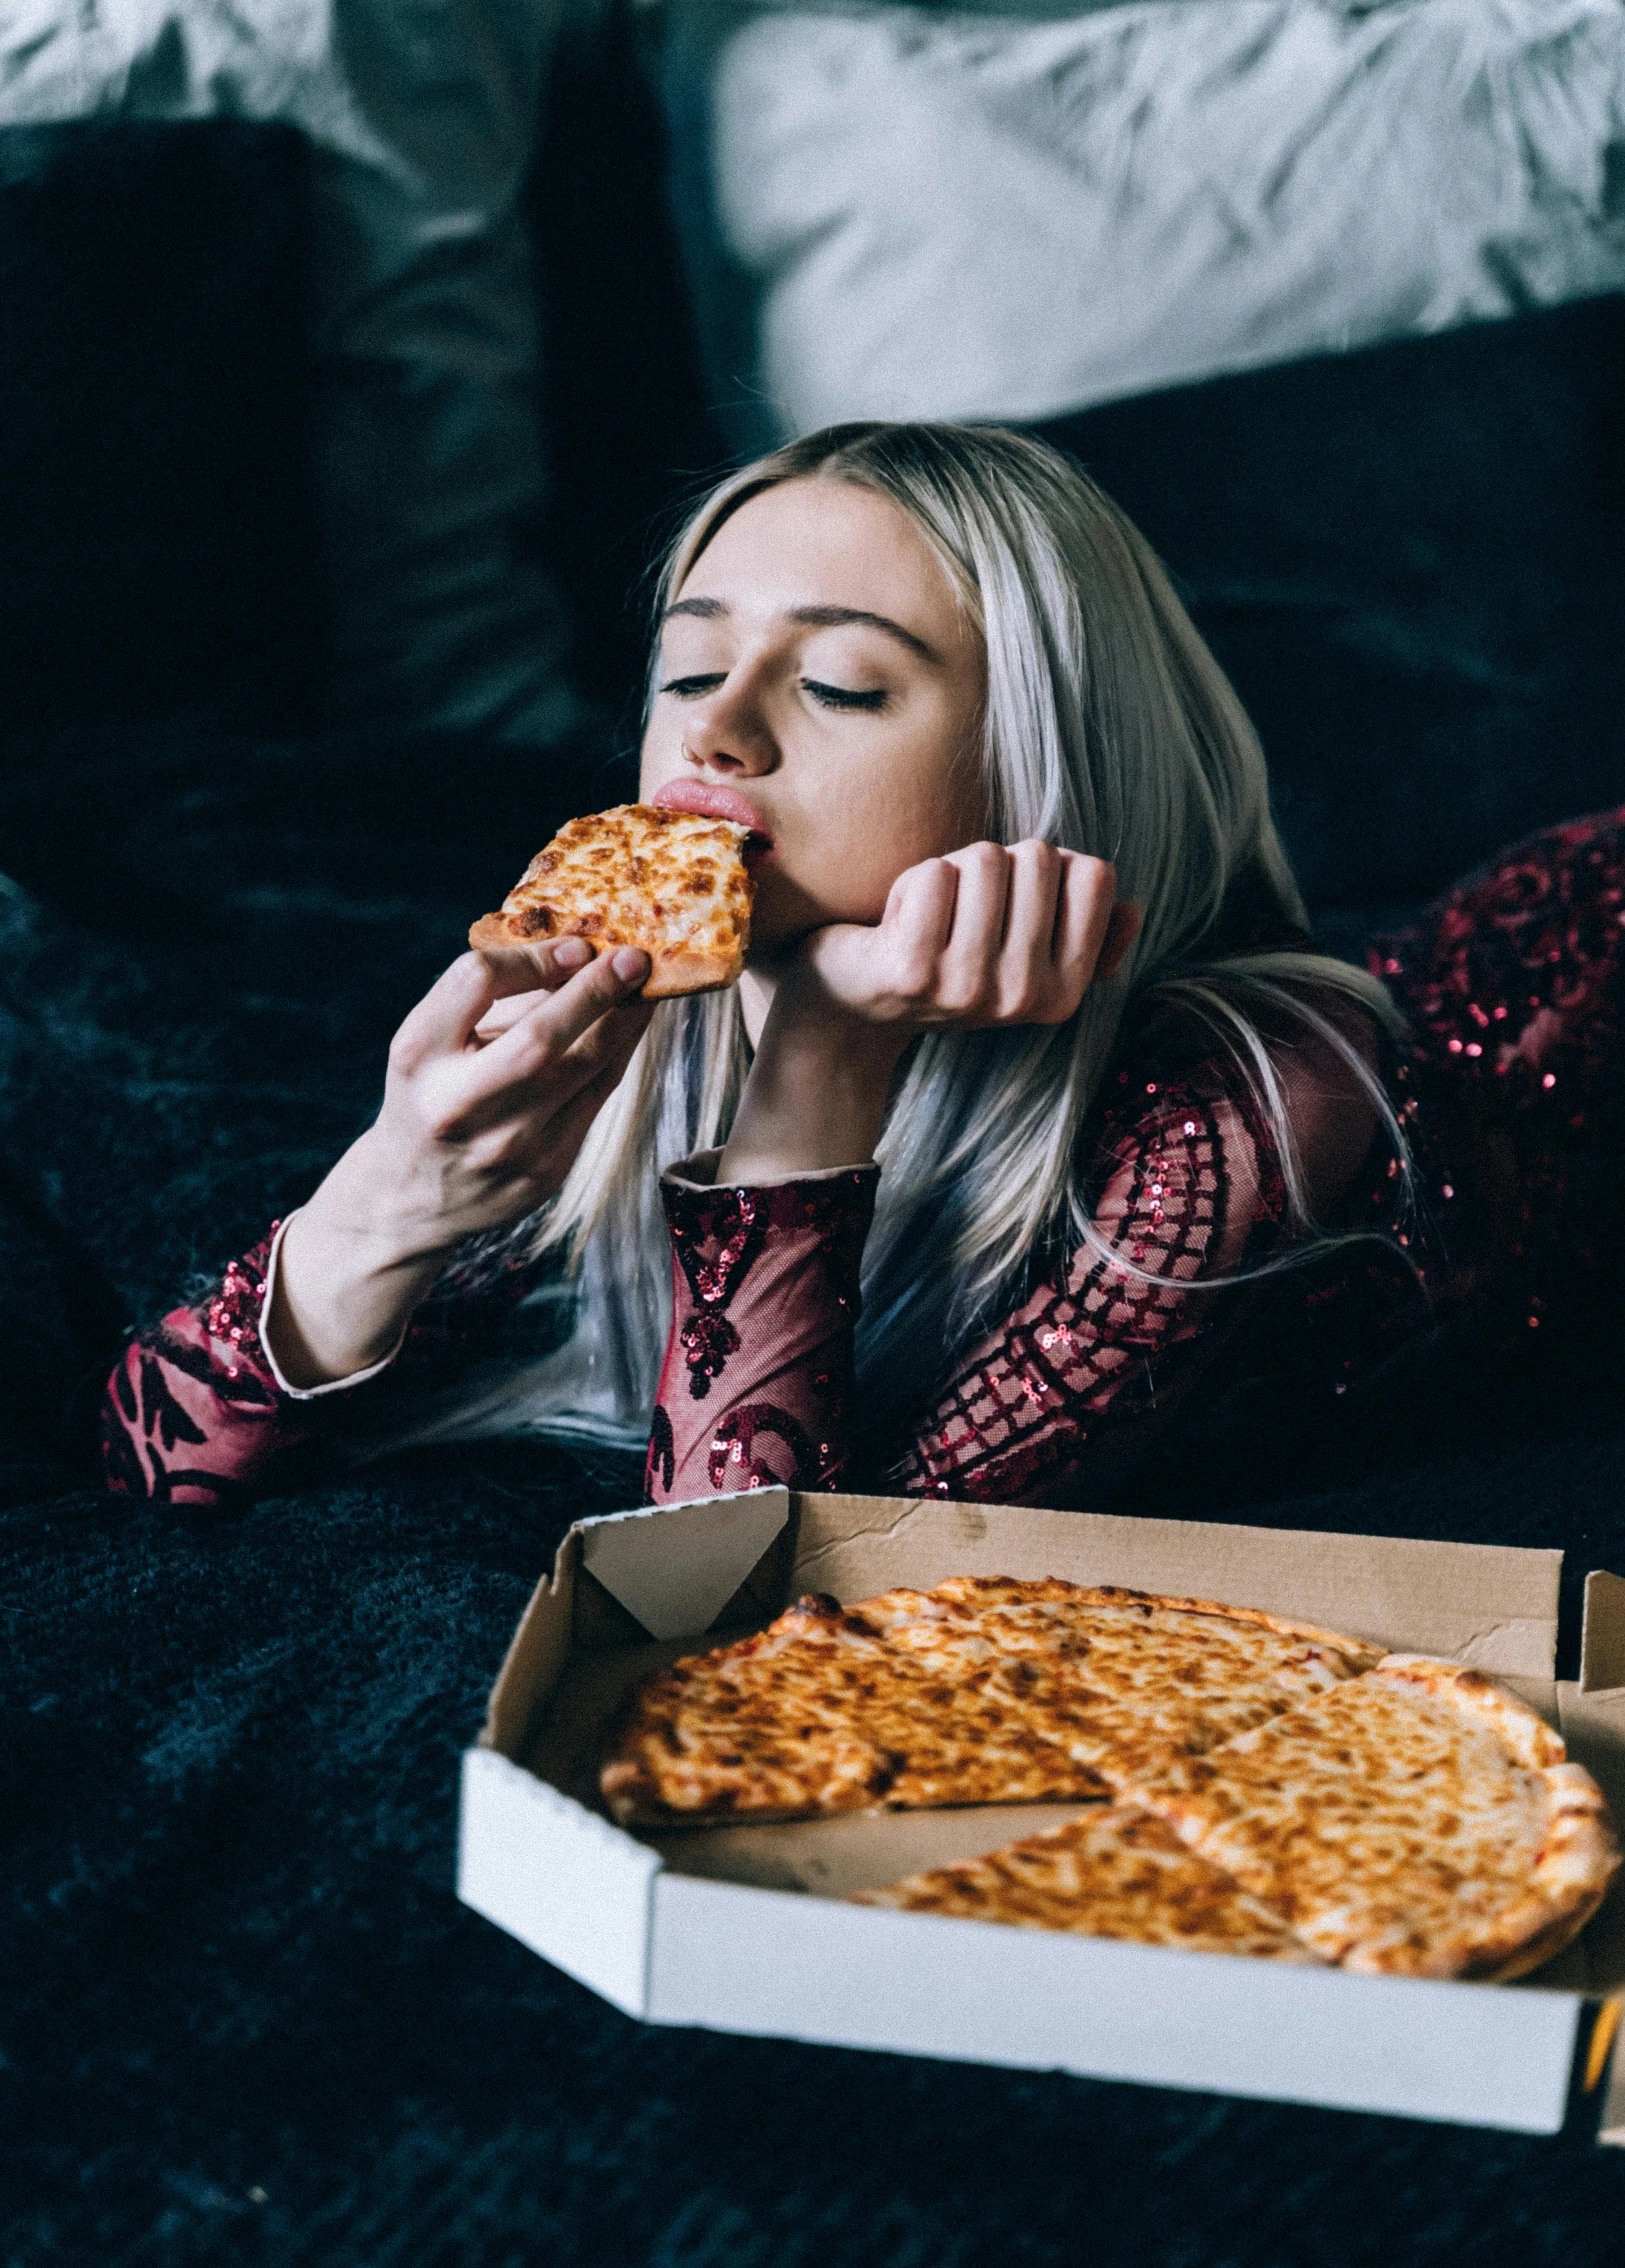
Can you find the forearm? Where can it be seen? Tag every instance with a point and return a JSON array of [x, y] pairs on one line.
[[815, 1099], [354, 1265]]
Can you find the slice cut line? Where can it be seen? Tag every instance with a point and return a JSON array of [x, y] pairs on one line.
[[981, 1690], [1418, 1820], [1117, 1872]]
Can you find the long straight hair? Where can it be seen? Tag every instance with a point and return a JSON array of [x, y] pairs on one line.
[[1108, 729]]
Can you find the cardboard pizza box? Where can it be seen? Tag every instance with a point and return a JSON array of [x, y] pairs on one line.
[[747, 1928]]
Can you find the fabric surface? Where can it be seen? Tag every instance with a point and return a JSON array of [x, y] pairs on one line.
[[244, 2018], [1411, 563], [924, 213], [425, 437], [157, 543]]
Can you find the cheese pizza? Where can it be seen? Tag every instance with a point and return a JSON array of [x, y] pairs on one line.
[[1255, 1784], [1116, 1872], [1417, 1821], [674, 884], [979, 1691]]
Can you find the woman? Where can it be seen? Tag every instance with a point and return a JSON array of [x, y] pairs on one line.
[[1036, 1152]]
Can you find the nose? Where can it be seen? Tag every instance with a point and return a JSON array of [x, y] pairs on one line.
[[726, 734]]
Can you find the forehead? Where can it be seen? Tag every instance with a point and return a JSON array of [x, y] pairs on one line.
[[826, 543]]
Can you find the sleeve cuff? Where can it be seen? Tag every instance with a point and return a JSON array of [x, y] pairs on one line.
[[331, 1385], [700, 1173]]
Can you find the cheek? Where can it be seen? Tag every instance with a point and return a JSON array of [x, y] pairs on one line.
[[883, 819]]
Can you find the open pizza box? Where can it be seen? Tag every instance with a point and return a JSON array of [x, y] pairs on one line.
[[747, 1929]]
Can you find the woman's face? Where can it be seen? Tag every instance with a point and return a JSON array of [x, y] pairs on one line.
[[819, 681]]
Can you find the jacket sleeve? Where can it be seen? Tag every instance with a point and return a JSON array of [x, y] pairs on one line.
[[1097, 1364], [198, 1412], [756, 1387]]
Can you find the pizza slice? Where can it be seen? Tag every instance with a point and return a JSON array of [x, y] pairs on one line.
[[674, 884], [1417, 1820], [819, 1713], [982, 1690], [1116, 1872]]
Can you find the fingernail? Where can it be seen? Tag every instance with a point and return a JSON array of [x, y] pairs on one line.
[[629, 963], [572, 953]]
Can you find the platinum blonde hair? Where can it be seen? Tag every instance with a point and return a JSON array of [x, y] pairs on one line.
[[1108, 729]]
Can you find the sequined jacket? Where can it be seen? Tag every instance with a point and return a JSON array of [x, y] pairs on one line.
[[1513, 1104]]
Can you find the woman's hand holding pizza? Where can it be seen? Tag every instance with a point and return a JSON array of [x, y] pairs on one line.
[[986, 936], [493, 1081]]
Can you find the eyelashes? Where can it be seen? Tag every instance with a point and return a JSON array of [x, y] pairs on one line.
[[827, 696]]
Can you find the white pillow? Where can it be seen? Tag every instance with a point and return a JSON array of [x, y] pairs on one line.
[[428, 445], [978, 217]]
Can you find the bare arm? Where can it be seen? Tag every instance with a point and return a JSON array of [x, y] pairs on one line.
[[493, 1081]]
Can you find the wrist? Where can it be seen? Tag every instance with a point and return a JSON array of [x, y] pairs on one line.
[[815, 1099], [367, 1207]]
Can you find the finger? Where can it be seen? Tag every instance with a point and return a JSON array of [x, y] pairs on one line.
[[1026, 985], [449, 1013], [916, 927], [544, 966], [501, 1016], [539, 1044], [445, 1018], [967, 983], [1082, 918], [1121, 930]]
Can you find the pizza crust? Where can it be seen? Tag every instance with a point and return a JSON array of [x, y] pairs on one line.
[[672, 884], [1417, 1821]]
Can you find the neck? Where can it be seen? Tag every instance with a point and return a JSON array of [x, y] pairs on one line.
[[756, 990]]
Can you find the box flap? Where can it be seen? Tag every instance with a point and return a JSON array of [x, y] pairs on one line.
[[536, 1654], [677, 1579], [1602, 1642]]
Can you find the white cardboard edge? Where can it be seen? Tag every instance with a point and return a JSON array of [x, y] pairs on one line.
[[1611, 2126], [556, 1876], [708, 1548], [736, 1959], [731, 1958]]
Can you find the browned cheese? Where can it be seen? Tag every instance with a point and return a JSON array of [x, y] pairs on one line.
[[982, 1690], [1418, 1820], [671, 883]]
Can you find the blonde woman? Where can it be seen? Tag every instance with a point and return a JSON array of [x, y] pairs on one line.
[[1036, 1142]]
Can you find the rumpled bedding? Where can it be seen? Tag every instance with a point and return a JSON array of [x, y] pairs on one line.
[[907, 212], [426, 441]]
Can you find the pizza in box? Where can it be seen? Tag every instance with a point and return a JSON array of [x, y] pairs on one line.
[[1250, 1784]]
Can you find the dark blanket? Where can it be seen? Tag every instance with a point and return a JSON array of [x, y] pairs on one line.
[[242, 2015]]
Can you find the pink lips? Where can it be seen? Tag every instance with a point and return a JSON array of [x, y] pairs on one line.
[[713, 803]]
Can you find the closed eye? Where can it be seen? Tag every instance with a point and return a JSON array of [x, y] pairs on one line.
[[843, 696], [690, 688]]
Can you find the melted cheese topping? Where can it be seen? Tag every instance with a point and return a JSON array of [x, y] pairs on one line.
[[1117, 1872], [1285, 1792], [1394, 1827], [671, 883], [976, 1692]]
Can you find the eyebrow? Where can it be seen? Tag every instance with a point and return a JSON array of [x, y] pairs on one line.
[[815, 618]]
